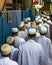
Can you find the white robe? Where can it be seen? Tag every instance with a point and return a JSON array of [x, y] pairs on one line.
[[31, 53], [46, 44], [22, 34], [48, 29], [7, 61], [27, 26], [14, 53], [16, 41]]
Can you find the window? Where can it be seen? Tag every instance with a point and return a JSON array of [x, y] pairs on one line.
[[16, 4]]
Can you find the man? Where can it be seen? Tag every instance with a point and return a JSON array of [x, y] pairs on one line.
[[23, 32], [31, 53], [27, 23], [49, 20], [47, 26], [39, 22], [15, 34], [22, 26], [18, 42], [46, 44], [16, 37], [29, 20], [14, 51], [6, 52]]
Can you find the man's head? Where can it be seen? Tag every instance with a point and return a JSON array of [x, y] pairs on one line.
[[32, 33], [10, 40], [6, 50], [33, 25], [29, 19], [44, 20], [38, 20], [22, 26], [14, 31], [43, 30], [25, 20]]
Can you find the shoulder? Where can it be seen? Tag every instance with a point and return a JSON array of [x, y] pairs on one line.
[[14, 63], [47, 39], [1, 61], [38, 45], [28, 42], [14, 49], [22, 45]]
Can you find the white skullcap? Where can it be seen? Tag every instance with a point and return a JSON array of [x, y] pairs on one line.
[[49, 22], [48, 17], [29, 18], [40, 21], [10, 40], [36, 20], [32, 31], [21, 25], [14, 30], [5, 49], [45, 19], [43, 30], [37, 34], [25, 20], [38, 17]]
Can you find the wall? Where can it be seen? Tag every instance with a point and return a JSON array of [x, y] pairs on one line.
[[7, 27], [0, 30]]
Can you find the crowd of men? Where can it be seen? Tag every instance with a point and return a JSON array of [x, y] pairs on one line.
[[30, 44]]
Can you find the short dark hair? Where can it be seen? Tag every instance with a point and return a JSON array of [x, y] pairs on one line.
[[14, 34], [31, 35]]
